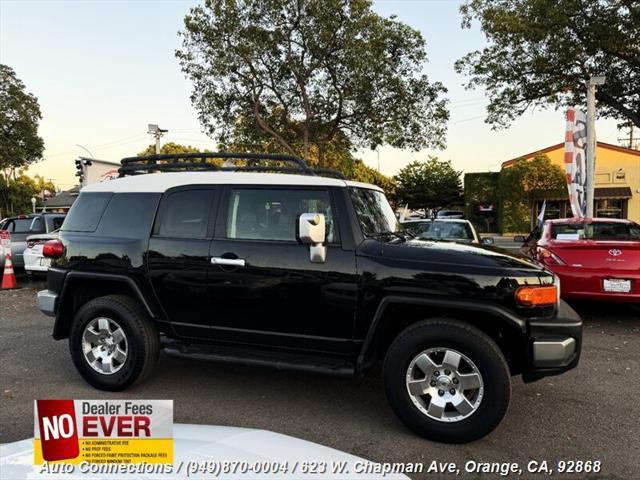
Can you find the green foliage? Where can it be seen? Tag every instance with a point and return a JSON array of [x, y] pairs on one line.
[[430, 184], [168, 148], [480, 189], [20, 144], [543, 52], [362, 173], [304, 75], [524, 183], [16, 194]]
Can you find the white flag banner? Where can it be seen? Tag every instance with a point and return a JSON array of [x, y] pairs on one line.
[[575, 160], [96, 171]]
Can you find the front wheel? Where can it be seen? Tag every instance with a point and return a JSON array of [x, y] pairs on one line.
[[447, 381], [113, 342]]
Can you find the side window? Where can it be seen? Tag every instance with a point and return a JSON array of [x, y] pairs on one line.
[[86, 212], [129, 215], [261, 214], [185, 214], [37, 226], [57, 223]]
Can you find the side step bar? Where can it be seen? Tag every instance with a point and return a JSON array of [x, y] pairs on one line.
[[299, 361]]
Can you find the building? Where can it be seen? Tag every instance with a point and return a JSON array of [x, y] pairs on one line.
[[617, 182], [62, 202]]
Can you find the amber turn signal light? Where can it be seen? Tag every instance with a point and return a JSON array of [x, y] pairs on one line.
[[537, 296]]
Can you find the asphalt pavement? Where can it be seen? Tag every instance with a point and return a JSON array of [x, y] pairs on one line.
[[590, 413]]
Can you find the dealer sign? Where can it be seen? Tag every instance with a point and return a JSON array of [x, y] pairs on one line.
[[103, 431]]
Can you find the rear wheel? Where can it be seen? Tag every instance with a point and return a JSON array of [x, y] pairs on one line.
[[113, 342], [447, 381]]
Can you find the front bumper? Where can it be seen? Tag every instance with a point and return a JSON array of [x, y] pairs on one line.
[[46, 302], [553, 345]]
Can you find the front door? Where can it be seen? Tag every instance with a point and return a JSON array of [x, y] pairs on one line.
[[178, 258], [262, 284]]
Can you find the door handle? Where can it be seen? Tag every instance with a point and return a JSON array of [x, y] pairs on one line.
[[234, 262]]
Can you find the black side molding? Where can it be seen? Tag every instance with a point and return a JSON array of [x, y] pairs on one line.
[[454, 304]]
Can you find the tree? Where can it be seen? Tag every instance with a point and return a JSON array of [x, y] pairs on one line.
[[20, 144], [304, 72], [430, 184], [168, 148], [523, 184], [16, 194], [481, 190], [543, 52]]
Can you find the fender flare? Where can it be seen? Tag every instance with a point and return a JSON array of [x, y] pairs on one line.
[[368, 347], [60, 322]]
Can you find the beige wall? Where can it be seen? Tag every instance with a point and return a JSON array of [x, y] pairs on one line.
[[615, 167]]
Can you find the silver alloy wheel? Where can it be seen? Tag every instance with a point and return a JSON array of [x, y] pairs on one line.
[[444, 384], [104, 345]]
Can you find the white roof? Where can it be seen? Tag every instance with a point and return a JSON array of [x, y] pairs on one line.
[[160, 182]]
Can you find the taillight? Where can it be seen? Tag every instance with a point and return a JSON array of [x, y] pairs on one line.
[[537, 296], [53, 249], [547, 257]]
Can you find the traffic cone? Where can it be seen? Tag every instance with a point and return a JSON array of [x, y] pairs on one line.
[[8, 277]]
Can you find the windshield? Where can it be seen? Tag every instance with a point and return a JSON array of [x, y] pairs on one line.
[[597, 231], [438, 230], [375, 215]]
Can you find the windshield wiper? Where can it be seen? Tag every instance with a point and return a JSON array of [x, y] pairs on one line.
[[388, 233]]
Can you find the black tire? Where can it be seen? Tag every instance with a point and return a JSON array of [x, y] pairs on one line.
[[143, 341], [471, 342]]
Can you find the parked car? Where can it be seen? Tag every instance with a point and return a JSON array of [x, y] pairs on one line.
[[34, 260], [304, 272], [22, 226], [271, 453], [595, 258], [450, 230], [450, 214]]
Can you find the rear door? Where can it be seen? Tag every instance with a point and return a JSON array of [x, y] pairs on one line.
[[275, 295], [178, 256]]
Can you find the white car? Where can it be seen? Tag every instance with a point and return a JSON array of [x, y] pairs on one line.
[[34, 261], [447, 229], [196, 447]]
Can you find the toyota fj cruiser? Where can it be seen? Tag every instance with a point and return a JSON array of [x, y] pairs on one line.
[[265, 261]]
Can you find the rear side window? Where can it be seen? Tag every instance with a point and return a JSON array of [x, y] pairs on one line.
[[19, 225], [185, 214], [86, 212], [129, 215]]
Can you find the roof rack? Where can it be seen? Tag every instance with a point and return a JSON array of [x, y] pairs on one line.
[[205, 161]]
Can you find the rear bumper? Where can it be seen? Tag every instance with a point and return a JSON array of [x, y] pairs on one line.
[[553, 345], [588, 284], [46, 302]]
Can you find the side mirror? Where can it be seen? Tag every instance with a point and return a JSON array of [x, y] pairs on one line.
[[312, 231], [488, 241], [519, 239]]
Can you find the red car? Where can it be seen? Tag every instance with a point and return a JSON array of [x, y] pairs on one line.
[[595, 258]]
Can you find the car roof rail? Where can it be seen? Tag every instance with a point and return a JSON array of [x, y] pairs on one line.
[[204, 161]]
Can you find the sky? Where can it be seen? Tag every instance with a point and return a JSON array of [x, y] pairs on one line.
[[103, 70]]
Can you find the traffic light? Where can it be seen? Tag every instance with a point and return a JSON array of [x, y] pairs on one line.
[[80, 164], [79, 171]]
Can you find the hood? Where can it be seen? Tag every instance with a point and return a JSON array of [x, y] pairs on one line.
[[203, 443], [455, 253]]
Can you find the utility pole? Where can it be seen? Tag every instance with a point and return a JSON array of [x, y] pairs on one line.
[[157, 133], [591, 140], [630, 141]]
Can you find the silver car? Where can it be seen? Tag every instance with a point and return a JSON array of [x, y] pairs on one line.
[[22, 226]]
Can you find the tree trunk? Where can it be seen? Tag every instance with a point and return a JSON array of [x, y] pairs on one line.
[[321, 151]]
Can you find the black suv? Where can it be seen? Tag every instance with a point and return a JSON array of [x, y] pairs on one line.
[[298, 270]]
